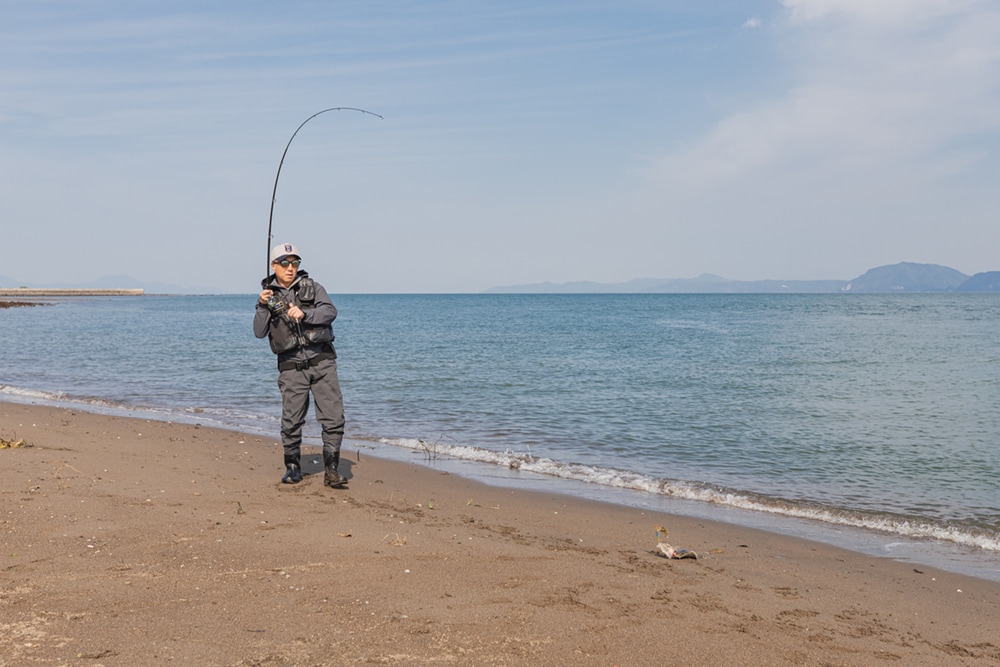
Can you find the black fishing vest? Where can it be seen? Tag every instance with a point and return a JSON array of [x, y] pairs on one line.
[[285, 334]]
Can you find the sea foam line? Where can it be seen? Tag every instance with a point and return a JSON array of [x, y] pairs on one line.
[[58, 398], [207, 416], [626, 479], [31, 393], [611, 477]]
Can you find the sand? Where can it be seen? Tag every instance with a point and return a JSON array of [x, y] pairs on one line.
[[135, 542]]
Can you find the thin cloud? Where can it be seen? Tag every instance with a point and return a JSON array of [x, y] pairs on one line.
[[503, 122], [883, 12], [886, 135], [865, 96]]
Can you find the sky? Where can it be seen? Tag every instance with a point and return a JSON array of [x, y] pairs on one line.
[[519, 141]]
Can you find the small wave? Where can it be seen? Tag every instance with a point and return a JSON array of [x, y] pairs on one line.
[[19, 392], [626, 479], [208, 416], [61, 398]]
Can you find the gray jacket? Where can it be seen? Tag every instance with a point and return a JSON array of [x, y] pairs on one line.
[[302, 341]]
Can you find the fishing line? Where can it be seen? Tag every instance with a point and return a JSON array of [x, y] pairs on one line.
[[274, 193]]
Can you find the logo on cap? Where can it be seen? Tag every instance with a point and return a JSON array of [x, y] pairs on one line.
[[288, 247]]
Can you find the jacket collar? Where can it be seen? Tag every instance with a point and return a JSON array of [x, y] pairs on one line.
[[272, 280]]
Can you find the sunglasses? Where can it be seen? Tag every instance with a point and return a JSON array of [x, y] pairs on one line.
[[285, 263]]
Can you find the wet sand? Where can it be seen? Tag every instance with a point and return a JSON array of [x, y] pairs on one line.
[[134, 542]]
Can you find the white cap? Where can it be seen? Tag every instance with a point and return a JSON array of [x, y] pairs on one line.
[[279, 252]]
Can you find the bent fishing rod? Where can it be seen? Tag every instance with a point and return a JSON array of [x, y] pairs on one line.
[[274, 193]]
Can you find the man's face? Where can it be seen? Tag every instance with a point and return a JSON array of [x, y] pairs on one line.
[[286, 270]]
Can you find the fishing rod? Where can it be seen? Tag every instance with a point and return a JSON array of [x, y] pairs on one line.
[[274, 193]]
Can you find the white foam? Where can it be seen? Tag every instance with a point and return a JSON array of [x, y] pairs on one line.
[[30, 393], [625, 479]]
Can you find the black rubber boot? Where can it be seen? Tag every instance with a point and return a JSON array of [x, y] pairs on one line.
[[293, 474], [332, 477]]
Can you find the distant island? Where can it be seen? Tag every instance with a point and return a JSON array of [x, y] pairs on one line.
[[893, 278]]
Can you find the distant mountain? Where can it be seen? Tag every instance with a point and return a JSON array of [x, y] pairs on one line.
[[981, 282], [902, 277], [703, 284], [908, 277], [114, 282]]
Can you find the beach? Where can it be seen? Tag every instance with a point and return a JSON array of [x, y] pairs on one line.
[[136, 542]]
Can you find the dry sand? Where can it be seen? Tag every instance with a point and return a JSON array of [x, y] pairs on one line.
[[134, 542]]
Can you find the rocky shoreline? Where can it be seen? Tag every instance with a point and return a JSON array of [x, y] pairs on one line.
[[17, 304]]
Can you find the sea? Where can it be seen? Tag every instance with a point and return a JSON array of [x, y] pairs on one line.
[[869, 421]]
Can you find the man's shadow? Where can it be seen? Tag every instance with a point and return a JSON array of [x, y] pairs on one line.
[[312, 464]]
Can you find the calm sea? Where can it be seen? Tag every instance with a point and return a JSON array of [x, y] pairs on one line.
[[870, 421]]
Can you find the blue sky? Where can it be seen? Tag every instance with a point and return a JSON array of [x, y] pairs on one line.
[[521, 141]]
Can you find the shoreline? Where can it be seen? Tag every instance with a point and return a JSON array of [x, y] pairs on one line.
[[956, 557], [20, 304], [131, 541], [943, 554]]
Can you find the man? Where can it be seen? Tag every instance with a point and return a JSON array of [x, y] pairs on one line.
[[295, 313]]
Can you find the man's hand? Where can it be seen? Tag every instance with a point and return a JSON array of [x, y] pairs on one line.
[[295, 313], [265, 296]]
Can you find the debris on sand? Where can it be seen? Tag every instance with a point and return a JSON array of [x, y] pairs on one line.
[[13, 444], [667, 550]]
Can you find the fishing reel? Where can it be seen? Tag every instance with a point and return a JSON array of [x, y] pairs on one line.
[[277, 305]]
